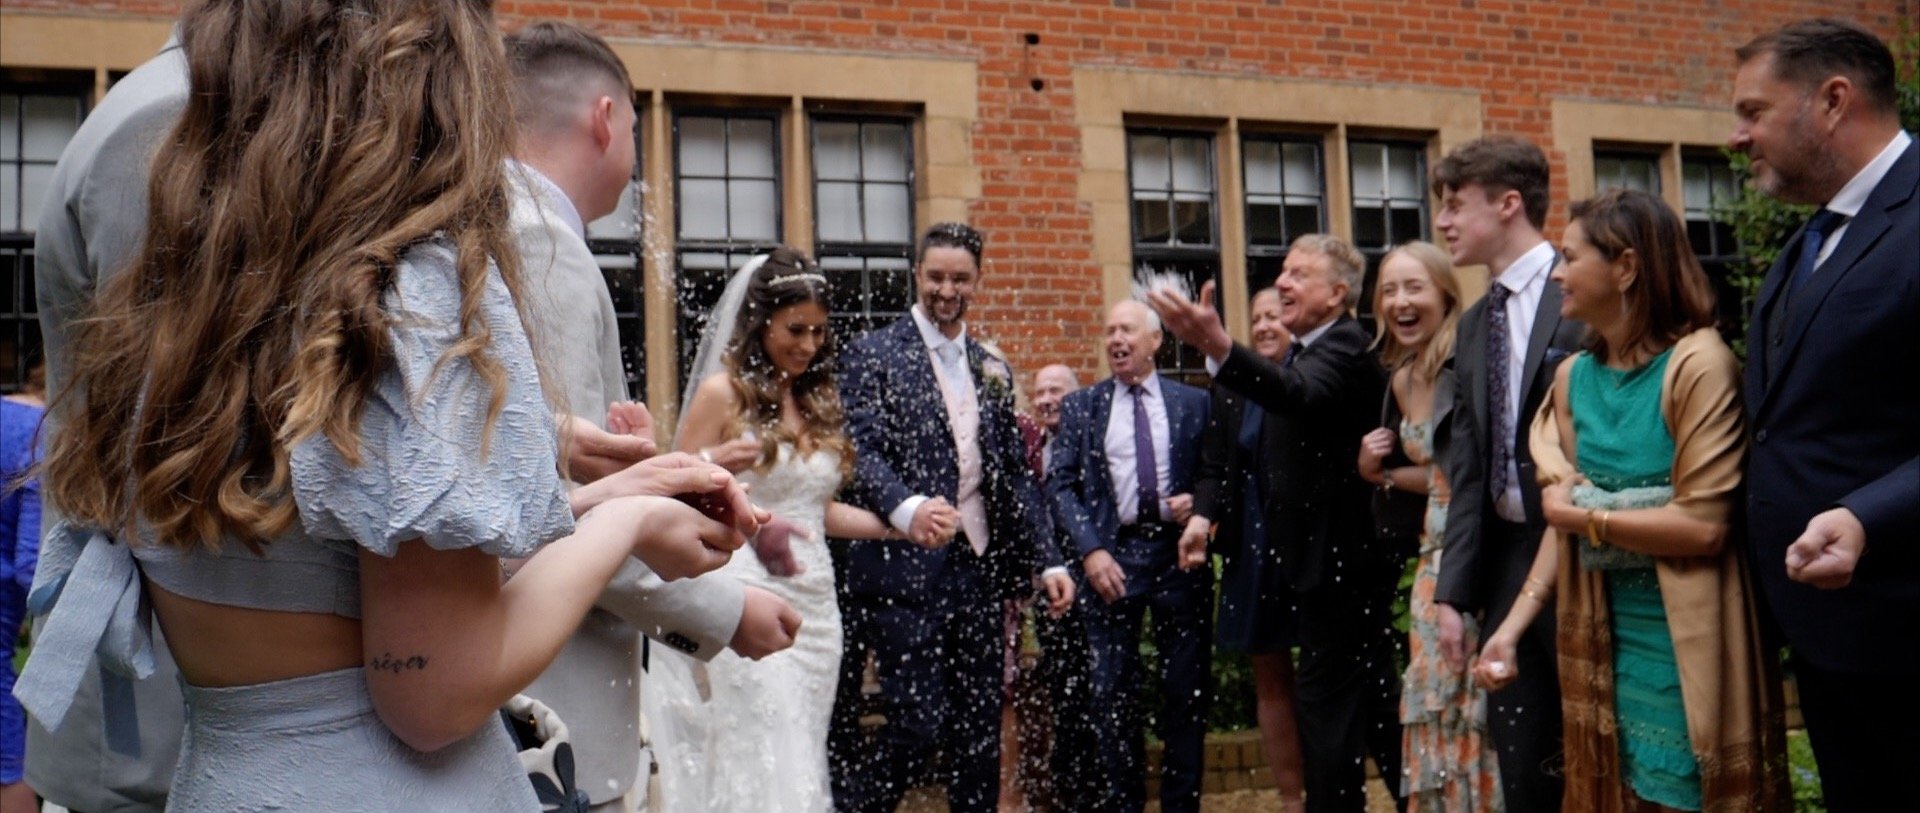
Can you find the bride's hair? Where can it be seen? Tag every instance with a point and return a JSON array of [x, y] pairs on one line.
[[322, 140], [788, 277]]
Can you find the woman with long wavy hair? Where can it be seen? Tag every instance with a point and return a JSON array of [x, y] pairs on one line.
[[754, 740], [1670, 696], [306, 426]]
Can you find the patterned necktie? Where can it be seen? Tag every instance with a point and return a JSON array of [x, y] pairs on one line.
[[1498, 388], [1149, 510]]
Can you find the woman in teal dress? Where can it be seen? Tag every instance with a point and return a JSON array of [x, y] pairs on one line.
[[1666, 690]]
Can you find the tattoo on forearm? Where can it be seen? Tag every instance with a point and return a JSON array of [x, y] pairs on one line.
[[386, 662]]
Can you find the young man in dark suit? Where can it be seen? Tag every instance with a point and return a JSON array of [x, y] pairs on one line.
[[931, 416], [1320, 402], [1493, 194], [1122, 478], [1833, 397]]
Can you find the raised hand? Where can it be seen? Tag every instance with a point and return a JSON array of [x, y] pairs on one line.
[[630, 418], [768, 624], [1195, 323], [593, 453]]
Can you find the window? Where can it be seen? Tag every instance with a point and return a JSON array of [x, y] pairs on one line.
[[1626, 170], [1389, 202], [728, 197], [1285, 181], [615, 241], [34, 128], [1171, 175], [1707, 182], [863, 218]]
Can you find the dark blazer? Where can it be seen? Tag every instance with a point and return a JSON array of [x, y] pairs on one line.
[[903, 441], [1838, 424], [1465, 450], [1222, 473], [1083, 498], [1318, 408]]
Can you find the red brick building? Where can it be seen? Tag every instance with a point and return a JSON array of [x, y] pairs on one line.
[[1086, 138]]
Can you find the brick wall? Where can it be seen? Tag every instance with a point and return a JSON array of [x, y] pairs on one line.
[[1517, 55]]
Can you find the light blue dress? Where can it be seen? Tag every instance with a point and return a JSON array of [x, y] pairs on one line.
[[315, 742]]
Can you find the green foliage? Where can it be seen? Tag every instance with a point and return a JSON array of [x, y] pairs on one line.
[[1807, 796], [1763, 224]]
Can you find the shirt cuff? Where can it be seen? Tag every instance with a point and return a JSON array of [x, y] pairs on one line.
[[1060, 569], [1213, 365], [902, 516]]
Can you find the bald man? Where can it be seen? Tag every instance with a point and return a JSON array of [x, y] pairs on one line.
[[1038, 428], [1121, 475]]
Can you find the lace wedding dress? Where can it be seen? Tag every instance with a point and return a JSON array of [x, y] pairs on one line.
[[751, 736]]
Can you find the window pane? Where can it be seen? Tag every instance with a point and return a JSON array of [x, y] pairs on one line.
[[846, 293], [35, 179], [837, 211], [1195, 218], [750, 148], [1369, 180], [49, 122], [1150, 220], [9, 124], [889, 214], [1303, 170], [10, 200], [1263, 168], [1369, 227], [884, 152], [751, 206], [1700, 237], [836, 150], [1696, 186], [1263, 224], [703, 209], [702, 146], [1192, 165], [890, 285], [1302, 220], [1406, 222], [1403, 175], [1148, 161]]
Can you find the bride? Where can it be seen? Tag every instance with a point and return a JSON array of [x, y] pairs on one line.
[[733, 734]]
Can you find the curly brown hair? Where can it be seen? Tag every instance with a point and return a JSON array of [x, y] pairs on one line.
[[321, 141], [788, 277]]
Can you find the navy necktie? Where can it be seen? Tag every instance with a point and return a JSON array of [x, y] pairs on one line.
[[1499, 350], [1143, 456], [1819, 228]]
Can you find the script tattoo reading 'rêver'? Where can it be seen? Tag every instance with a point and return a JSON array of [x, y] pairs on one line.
[[388, 663]]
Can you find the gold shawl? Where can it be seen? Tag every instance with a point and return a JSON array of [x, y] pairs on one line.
[[1729, 681]]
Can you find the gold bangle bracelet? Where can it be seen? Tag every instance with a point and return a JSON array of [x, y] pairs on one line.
[[1593, 534], [1534, 594], [1606, 518]]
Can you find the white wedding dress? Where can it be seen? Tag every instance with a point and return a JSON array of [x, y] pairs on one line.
[[748, 736]]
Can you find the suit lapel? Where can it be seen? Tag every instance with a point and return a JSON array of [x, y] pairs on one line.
[[1470, 364], [1546, 322], [1863, 232], [1096, 451], [917, 377]]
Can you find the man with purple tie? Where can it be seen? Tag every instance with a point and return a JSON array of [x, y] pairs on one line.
[[1121, 476]]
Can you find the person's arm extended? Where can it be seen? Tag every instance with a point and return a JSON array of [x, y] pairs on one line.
[[445, 642], [853, 522]]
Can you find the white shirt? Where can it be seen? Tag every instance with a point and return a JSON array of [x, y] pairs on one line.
[[1853, 197], [1123, 466], [902, 515], [1527, 279]]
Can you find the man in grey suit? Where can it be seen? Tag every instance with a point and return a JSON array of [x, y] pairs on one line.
[[1493, 195], [575, 154]]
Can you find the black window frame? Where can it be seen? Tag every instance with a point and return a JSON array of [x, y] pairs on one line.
[[1264, 259], [21, 343], [847, 324], [1375, 252], [1200, 263], [692, 307]]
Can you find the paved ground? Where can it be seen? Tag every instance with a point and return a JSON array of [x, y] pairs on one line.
[[933, 800]]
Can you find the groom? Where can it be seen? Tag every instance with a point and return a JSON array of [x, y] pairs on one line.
[[940, 456]]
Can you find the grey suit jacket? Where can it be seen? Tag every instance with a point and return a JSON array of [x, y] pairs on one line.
[[595, 683], [1465, 449], [94, 220]]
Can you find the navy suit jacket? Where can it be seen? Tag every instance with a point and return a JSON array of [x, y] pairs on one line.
[[1838, 424], [1083, 498], [904, 447]]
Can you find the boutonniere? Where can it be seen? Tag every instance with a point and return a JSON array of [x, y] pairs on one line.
[[999, 377]]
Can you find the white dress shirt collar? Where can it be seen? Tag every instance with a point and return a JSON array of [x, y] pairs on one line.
[[1529, 271], [1315, 334], [1852, 197], [931, 334]]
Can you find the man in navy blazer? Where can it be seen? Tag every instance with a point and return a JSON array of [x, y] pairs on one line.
[[1122, 483], [1833, 394], [939, 454]]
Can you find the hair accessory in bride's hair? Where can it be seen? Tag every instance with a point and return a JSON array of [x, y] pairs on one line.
[[807, 277]]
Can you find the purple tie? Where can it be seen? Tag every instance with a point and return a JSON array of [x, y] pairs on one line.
[[1498, 351], [1143, 455]]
